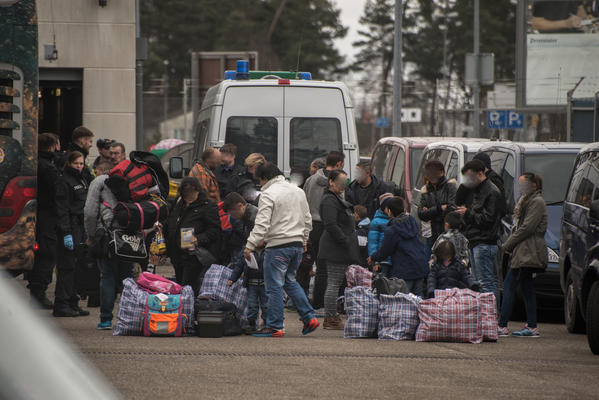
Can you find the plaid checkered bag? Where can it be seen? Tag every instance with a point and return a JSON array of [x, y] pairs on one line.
[[488, 311], [358, 276], [455, 317], [398, 316], [215, 286], [132, 306], [362, 309]]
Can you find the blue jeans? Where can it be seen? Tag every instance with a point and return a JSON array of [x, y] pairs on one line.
[[257, 300], [524, 279], [109, 276], [280, 266], [415, 286], [482, 260], [386, 270]]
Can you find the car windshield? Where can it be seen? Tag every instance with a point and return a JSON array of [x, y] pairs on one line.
[[415, 158], [555, 171]]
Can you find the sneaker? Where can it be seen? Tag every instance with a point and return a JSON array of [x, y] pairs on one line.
[[269, 332], [80, 311], [333, 323], [527, 332], [503, 331], [251, 329], [104, 326], [310, 326], [65, 312]]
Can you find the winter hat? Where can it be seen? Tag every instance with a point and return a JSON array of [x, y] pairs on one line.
[[384, 197]]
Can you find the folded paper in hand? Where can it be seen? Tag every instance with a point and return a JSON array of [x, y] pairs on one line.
[[252, 263]]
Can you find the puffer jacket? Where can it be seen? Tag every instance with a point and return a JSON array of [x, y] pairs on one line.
[[402, 243], [376, 232], [527, 244], [314, 188], [431, 201], [483, 215], [338, 243], [456, 274], [98, 206]]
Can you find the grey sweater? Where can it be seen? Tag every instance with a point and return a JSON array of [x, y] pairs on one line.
[[94, 209]]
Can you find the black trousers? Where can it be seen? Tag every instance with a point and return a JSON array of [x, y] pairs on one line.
[[40, 275], [66, 269], [189, 271], [320, 280]]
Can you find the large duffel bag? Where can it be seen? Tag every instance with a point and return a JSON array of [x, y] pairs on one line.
[[215, 287], [390, 286], [216, 318], [130, 181], [135, 217], [362, 308], [356, 275], [398, 316], [132, 307]]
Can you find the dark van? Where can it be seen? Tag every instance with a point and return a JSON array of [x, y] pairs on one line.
[[553, 162], [579, 247]]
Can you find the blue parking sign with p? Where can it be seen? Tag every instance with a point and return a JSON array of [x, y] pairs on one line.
[[515, 120], [504, 119]]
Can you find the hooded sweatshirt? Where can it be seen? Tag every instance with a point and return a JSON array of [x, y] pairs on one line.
[[314, 188], [402, 244]]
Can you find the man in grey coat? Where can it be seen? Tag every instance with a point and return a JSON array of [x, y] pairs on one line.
[[97, 218]]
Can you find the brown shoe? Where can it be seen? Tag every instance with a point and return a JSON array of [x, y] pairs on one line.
[[333, 323]]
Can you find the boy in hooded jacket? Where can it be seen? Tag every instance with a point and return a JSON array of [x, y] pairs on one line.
[[402, 244]]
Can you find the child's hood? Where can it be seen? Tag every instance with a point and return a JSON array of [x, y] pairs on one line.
[[405, 227], [364, 223], [379, 214]]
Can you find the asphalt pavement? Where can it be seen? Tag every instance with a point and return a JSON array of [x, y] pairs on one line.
[[557, 365]]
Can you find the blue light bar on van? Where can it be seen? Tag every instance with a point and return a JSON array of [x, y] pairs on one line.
[[305, 76], [230, 75], [243, 69]]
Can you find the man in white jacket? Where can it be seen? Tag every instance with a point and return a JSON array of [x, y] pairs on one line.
[[283, 224]]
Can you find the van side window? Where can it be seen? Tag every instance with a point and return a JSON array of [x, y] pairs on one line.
[[399, 169], [381, 160], [253, 135], [311, 138], [584, 194], [200, 137], [452, 167]]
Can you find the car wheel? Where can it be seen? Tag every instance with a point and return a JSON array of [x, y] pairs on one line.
[[572, 314], [593, 318]]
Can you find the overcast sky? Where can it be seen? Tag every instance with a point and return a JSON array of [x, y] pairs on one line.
[[350, 14]]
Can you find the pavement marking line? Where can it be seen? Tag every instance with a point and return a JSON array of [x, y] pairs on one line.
[[127, 354]]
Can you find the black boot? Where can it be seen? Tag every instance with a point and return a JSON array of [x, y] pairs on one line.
[[41, 300], [80, 311], [65, 312]]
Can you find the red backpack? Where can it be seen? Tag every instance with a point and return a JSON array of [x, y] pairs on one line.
[[130, 181]]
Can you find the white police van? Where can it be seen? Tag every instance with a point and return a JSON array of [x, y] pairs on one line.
[[286, 116]]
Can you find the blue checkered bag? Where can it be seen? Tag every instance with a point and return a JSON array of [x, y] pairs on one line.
[[132, 306], [362, 309], [215, 287], [398, 316]]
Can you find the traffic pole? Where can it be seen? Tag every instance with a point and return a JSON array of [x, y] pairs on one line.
[[397, 69]]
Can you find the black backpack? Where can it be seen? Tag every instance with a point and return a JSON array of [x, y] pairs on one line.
[[390, 286]]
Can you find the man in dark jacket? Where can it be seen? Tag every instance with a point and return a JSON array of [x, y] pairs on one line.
[[439, 198], [402, 244], [45, 258], [482, 216], [315, 187], [367, 188], [463, 192], [243, 216], [82, 140], [229, 174]]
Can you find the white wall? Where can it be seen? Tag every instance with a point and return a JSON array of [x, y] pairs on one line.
[[101, 41]]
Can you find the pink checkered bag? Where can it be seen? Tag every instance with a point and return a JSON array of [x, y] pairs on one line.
[[358, 276], [488, 311], [455, 317]]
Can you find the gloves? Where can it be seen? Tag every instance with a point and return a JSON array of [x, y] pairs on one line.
[[68, 242]]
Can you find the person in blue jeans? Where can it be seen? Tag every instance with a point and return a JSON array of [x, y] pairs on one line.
[[482, 211], [283, 224], [253, 280], [402, 244], [112, 271]]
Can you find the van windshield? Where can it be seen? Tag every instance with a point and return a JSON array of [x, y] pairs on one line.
[[253, 135], [554, 168], [311, 138]]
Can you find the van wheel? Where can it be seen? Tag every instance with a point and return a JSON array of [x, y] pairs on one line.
[[572, 314], [593, 318]]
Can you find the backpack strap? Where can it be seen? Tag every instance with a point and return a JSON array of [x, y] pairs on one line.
[[141, 216], [129, 168]]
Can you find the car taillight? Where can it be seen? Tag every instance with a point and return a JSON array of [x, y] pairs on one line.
[[17, 193], [284, 82]]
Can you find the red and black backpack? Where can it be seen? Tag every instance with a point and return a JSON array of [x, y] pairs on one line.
[[130, 181]]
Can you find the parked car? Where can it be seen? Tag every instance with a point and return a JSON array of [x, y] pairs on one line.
[[397, 160], [453, 153], [553, 162], [579, 247]]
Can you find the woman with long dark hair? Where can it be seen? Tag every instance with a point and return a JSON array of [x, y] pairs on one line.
[[193, 211], [527, 249], [71, 192]]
